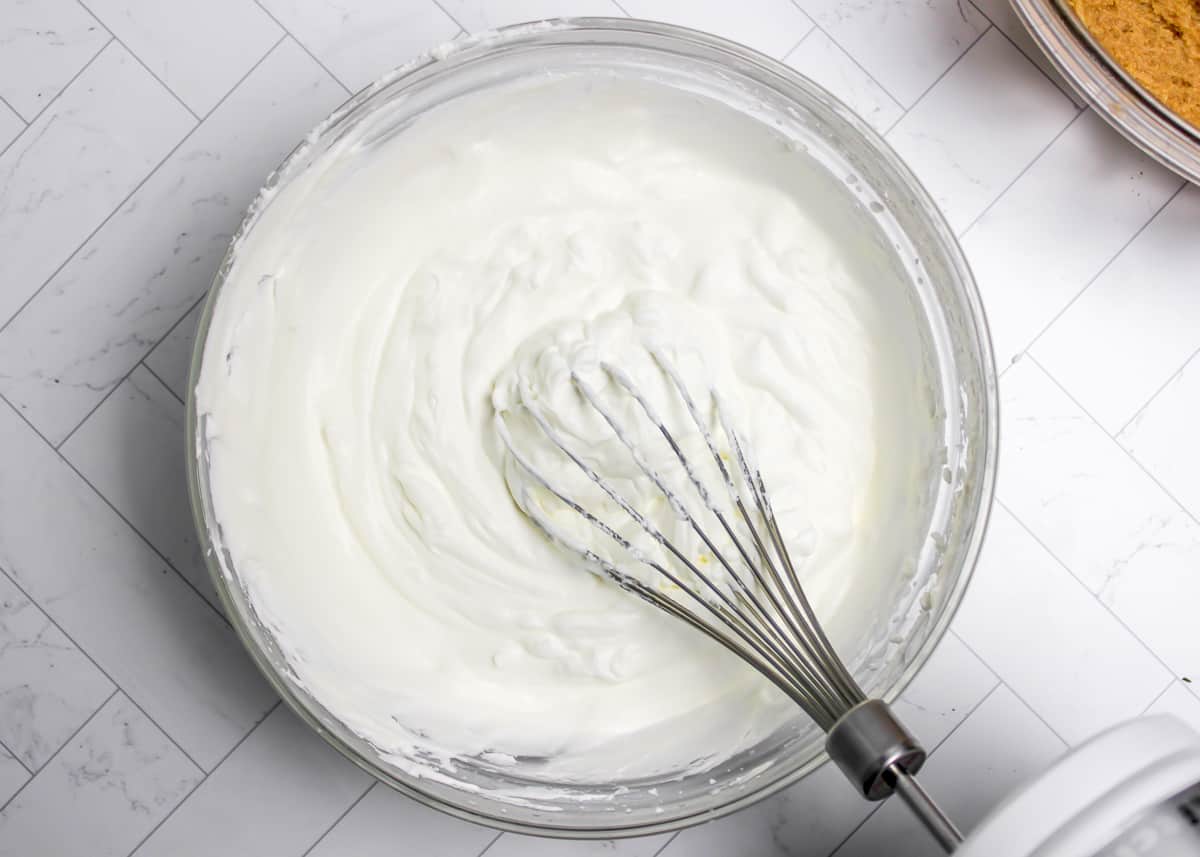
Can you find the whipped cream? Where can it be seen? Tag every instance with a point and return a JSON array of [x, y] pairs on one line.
[[394, 296]]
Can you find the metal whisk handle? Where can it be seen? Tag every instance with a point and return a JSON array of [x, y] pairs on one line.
[[926, 811], [879, 757]]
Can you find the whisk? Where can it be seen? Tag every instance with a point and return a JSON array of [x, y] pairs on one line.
[[759, 611]]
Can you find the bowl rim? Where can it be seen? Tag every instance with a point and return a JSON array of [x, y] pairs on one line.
[[1092, 72], [988, 448]]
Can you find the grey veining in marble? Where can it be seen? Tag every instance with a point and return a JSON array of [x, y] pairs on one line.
[[48, 687], [171, 360], [104, 791], [275, 795], [43, 44], [142, 423], [81, 157], [161, 642], [158, 252]]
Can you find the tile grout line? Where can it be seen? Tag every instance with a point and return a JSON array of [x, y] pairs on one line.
[[124, 377], [999, 684], [499, 833], [9, 749], [939, 79], [149, 175], [159, 379], [783, 56], [950, 67], [57, 95], [74, 77], [56, 626], [1014, 692], [1141, 410], [1029, 706], [119, 514], [953, 633], [1186, 511], [1086, 589], [157, 725], [21, 118], [488, 847], [1100, 271], [1161, 694], [462, 31], [288, 34], [854, 61], [237, 83], [175, 325], [342, 815], [116, 384], [13, 141], [103, 672], [1041, 153], [817, 26], [204, 778], [1025, 349], [805, 38], [65, 744], [666, 844], [888, 130], [166, 817], [1071, 96], [141, 62]]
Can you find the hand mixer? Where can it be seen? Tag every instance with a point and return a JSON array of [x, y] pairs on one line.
[[758, 610]]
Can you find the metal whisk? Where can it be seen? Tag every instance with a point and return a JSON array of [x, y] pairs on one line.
[[759, 611]]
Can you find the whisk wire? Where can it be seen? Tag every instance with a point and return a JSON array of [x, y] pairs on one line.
[[806, 623], [758, 491], [778, 635], [795, 632], [765, 650], [743, 590], [632, 389]]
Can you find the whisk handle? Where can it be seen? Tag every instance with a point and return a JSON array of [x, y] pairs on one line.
[[879, 757], [867, 741], [926, 811]]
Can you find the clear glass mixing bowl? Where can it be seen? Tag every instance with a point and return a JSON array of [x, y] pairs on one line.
[[896, 211]]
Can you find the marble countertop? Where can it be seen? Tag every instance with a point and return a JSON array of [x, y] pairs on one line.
[[132, 135]]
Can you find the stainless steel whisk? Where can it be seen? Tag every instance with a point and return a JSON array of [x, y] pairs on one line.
[[762, 615]]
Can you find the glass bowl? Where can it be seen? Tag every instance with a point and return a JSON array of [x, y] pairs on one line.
[[1111, 92], [896, 212]]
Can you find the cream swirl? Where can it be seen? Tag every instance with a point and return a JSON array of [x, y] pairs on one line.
[[393, 296]]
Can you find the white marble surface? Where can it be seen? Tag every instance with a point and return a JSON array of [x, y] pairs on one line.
[[43, 45], [132, 135], [48, 687]]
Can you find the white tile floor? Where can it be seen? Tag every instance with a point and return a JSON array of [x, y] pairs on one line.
[[132, 135]]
